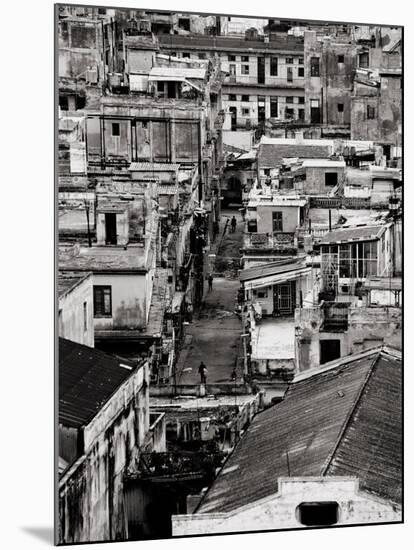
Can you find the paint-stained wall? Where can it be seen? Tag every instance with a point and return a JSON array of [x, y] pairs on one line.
[[76, 319]]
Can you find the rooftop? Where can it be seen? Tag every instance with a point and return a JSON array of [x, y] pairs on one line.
[[272, 268], [104, 259], [178, 72], [87, 379], [272, 150], [354, 233], [274, 338], [227, 43], [323, 163], [68, 281], [335, 421], [153, 167]]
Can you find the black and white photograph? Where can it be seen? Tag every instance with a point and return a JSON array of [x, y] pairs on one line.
[[229, 268]]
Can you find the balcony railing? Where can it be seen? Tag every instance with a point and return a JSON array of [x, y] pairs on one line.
[[269, 240]]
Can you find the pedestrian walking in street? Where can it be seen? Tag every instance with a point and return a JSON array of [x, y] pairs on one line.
[[210, 282], [202, 369], [234, 374], [233, 224]]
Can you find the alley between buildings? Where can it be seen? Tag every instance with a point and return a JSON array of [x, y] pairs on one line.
[[214, 335]]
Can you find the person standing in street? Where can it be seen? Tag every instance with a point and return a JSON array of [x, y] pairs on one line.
[[210, 282], [202, 369], [233, 224]]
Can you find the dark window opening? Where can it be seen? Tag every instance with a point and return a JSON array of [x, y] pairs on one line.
[[277, 220], [245, 58], [289, 74], [370, 112], [102, 301], [85, 316], [301, 114], [232, 97], [314, 66], [301, 71], [289, 100], [232, 58], [115, 129], [245, 98], [301, 100], [186, 55], [318, 513], [364, 60], [274, 108], [63, 102], [245, 69], [289, 61], [300, 60], [289, 113], [273, 66], [110, 228], [340, 107], [184, 24], [252, 226], [331, 179], [341, 59], [330, 350]]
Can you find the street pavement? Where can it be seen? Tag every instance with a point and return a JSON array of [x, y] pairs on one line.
[[214, 335]]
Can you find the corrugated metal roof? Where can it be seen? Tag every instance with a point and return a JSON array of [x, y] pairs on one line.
[[177, 72], [103, 259], [354, 233], [272, 268], [153, 167], [87, 379], [270, 155], [344, 419]]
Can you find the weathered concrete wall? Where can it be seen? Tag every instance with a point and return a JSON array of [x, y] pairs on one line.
[[129, 301], [91, 499], [290, 217], [315, 180], [72, 323], [368, 327], [122, 227], [280, 510], [79, 47]]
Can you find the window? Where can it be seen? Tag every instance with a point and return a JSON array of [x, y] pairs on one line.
[[245, 98], [300, 60], [370, 112], [245, 112], [274, 107], [262, 293], [289, 100], [331, 179], [277, 220], [341, 59], [232, 58], [318, 513], [185, 55], [232, 70], [245, 69], [289, 74], [289, 113], [340, 107], [301, 114], [301, 71], [201, 56], [85, 316], [358, 260], [245, 58], [115, 129], [301, 100], [102, 301], [232, 97], [273, 66], [364, 60], [289, 61], [315, 111], [314, 66]]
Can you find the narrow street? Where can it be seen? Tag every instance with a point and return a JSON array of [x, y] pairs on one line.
[[214, 335]]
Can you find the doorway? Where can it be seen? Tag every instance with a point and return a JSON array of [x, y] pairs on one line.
[[110, 228], [330, 350], [284, 299], [233, 114]]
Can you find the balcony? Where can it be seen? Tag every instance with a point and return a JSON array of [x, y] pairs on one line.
[[274, 241], [335, 316]]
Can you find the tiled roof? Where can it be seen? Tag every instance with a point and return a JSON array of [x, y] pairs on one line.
[[343, 419], [272, 268], [354, 233], [270, 156], [87, 379], [68, 281]]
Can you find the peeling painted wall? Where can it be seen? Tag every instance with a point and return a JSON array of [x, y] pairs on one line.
[[280, 510], [71, 314], [91, 498]]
